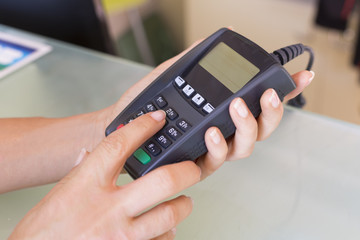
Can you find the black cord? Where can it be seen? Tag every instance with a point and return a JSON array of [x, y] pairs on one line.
[[311, 60], [284, 55]]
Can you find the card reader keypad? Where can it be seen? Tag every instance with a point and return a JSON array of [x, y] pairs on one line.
[[172, 132], [175, 126]]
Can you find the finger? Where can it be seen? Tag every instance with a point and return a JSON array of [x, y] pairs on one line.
[[271, 114], [216, 155], [162, 218], [242, 144], [167, 236], [107, 160], [158, 185], [302, 79]]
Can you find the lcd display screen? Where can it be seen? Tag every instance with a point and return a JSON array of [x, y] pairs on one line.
[[228, 67]]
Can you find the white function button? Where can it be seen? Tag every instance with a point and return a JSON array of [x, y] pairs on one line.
[[179, 81], [208, 108], [188, 90], [198, 100]]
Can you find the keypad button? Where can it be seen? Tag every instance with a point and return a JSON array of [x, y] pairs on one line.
[[160, 101], [173, 133], [163, 140], [198, 100], [142, 156], [171, 114], [150, 107], [183, 125], [188, 90], [140, 113], [208, 108], [130, 120], [153, 148], [179, 82]]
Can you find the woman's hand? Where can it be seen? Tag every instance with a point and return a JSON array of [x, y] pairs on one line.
[[248, 129], [87, 203]]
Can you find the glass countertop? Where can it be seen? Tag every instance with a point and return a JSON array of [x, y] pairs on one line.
[[69, 80]]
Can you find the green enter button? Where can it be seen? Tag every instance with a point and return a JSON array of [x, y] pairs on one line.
[[142, 156]]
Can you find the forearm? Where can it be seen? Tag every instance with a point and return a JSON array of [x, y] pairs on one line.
[[35, 151]]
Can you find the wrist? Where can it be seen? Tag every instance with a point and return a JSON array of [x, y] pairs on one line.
[[99, 120]]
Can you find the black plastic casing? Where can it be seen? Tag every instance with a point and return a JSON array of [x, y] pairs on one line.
[[191, 144]]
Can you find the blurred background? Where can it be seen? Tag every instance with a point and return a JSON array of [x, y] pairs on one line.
[[151, 31]]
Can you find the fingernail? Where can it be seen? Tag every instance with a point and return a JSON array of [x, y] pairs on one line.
[[80, 157], [241, 108], [215, 137], [274, 99], [312, 77], [173, 231], [158, 115]]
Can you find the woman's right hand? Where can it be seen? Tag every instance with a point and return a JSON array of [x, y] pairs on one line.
[[87, 203]]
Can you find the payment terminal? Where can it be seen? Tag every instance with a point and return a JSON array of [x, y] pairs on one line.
[[195, 92]]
